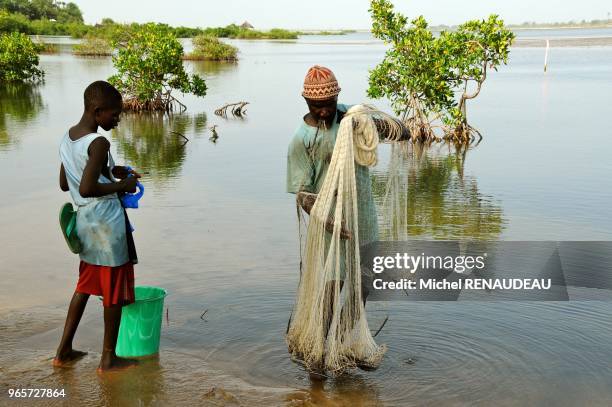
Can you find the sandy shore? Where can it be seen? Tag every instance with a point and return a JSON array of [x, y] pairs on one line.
[[564, 42], [519, 42]]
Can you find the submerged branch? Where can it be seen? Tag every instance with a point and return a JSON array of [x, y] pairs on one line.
[[237, 109]]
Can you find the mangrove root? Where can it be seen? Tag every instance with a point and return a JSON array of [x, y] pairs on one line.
[[463, 134], [164, 103], [423, 125], [237, 109]]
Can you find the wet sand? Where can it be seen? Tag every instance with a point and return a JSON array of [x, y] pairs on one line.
[[174, 377]]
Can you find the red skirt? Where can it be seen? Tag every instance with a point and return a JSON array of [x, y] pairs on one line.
[[114, 284]]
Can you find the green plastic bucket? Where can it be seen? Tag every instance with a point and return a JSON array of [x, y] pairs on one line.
[[140, 327]]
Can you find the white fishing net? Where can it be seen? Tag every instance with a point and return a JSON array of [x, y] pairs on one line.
[[329, 330]]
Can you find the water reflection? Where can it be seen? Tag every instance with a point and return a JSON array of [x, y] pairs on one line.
[[156, 143], [347, 390], [19, 104], [213, 68], [144, 389], [425, 193]]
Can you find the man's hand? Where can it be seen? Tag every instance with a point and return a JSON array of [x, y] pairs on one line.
[[345, 234], [121, 172], [306, 200]]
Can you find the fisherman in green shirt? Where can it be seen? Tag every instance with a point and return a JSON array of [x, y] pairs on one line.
[[312, 146], [308, 160]]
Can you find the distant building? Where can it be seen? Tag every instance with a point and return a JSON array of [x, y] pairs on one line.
[[246, 25]]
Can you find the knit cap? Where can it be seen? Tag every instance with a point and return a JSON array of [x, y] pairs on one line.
[[320, 83]]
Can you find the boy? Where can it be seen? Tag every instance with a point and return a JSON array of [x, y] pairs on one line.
[[108, 252]]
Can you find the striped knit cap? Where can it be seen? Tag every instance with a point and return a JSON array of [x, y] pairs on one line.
[[320, 83]]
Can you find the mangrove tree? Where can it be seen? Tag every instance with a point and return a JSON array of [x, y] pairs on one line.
[[429, 78], [150, 69]]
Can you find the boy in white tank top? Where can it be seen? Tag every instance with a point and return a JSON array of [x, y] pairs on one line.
[[108, 255]]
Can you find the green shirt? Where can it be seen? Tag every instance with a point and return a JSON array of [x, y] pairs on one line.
[[308, 159]]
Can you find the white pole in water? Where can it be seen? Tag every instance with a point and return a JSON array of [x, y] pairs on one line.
[[546, 54]]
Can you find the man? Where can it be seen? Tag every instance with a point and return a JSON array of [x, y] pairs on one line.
[[312, 146], [308, 159]]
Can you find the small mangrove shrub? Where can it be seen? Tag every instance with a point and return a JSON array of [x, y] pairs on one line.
[[93, 46], [150, 68], [45, 47], [19, 59], [209, 48], [273, 34], [428, 78]]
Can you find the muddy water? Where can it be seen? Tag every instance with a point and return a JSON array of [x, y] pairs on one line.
[[217, 230]]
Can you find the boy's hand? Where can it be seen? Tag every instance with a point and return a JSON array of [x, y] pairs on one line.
[[121, 172], [129, 184]]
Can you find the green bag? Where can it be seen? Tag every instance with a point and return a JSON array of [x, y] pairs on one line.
[[67, 218]]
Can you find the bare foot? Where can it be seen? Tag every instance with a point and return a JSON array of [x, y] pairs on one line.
[[316, 372], [317, 375], [114, 363], [64, 357], [368, 367]]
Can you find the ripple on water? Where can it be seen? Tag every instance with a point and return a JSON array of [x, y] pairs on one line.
[[445, 353], [455, 352]]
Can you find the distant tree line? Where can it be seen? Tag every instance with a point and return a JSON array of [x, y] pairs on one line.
[[44, 9], [50, 17], [45, 17], [236, 31]]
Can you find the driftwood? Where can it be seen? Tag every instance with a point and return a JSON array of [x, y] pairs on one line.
[[381, 327], [180, 135], [237, 109]]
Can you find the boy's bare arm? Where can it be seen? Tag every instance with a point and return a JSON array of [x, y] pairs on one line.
[[62, 179], [90, 187]]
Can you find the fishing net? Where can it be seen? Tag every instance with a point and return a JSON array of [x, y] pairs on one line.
[[328, 329]]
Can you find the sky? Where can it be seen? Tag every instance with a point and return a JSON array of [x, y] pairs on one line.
[[334, 14]]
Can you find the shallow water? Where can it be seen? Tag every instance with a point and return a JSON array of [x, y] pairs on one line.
[[218, 231]]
